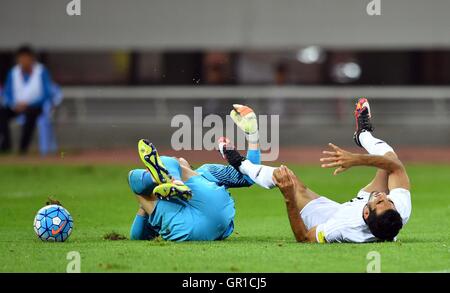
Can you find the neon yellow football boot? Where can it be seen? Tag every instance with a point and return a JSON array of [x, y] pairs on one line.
[[150, 157], [169, 190]]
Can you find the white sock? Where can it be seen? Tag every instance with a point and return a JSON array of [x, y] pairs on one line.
[[374, 146], [260, 174]]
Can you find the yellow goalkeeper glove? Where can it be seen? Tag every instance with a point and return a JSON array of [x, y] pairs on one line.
[[245, 119]]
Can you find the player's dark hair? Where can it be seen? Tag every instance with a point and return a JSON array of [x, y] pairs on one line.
[[386, 225], [25, 50]]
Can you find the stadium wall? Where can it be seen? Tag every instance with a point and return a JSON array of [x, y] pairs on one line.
[[212, 24]]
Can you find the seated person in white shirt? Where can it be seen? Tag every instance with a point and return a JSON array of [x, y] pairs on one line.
[[28, 87]]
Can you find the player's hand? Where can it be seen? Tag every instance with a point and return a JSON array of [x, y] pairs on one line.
[[245, 119], [286, 181], [177, 182], [339, 159]]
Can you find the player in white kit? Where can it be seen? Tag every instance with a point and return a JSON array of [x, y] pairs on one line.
[[378, 212]]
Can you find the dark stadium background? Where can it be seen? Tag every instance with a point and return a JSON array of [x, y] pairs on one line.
[[126, 69]]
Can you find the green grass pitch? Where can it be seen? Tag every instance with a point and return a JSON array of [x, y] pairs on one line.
[[100, 202]]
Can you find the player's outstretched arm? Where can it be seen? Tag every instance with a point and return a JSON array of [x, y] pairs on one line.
[[288, 184], [343, 160], [137, 229]]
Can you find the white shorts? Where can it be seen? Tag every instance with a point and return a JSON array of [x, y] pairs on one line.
[[318, 211]]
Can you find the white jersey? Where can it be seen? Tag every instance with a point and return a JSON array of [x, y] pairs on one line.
[[347, 224], [30, 91]]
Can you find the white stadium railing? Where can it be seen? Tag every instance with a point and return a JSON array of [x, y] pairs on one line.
[[116, 116], [255, 92], [116, 104]]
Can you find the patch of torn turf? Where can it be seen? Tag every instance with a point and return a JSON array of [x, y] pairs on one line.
[[114, 236]]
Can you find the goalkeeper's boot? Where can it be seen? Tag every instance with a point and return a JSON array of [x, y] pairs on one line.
[[229, 153], [224, 142], [173, 189], [362, 119], [149, 156]]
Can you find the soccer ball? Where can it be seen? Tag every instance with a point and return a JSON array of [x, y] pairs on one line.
[[53, 223]]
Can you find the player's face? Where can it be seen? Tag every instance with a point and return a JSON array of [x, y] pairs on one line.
[[379, 202], [25, 61]]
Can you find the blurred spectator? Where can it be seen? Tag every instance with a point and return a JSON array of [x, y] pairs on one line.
[[281, 74], [217, 71], [27, 89], [47, 137], [217, 67]]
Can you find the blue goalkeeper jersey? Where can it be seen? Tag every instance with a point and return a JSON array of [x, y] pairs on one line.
[[209, 215]]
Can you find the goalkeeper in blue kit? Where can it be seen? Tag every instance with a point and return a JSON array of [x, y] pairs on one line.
[[182, 204]]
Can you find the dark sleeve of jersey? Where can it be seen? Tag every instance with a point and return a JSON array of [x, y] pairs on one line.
[[228, 176]]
